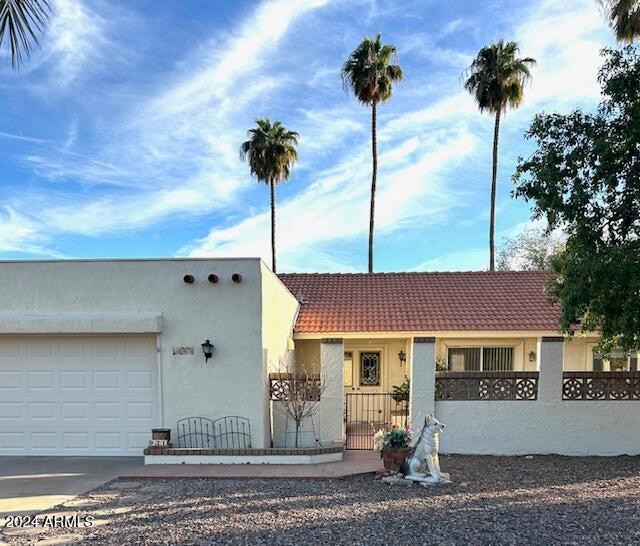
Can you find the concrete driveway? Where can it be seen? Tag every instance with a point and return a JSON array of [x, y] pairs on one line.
[[29, 485]]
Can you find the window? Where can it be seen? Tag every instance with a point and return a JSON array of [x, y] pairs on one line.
[[348, 369], [617, 361], [474, 359], [370, 369]]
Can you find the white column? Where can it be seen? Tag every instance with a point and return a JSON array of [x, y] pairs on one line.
[[551, 367], [332, 397], [423, 379]]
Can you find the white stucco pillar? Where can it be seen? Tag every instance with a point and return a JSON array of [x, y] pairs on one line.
[[551, 367], [332, 398], [423, 379]]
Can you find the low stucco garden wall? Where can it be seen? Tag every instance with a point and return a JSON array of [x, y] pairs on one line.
[[535, 427]]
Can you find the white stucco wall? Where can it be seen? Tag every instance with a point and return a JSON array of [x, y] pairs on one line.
[[562, 427], [150, 295], [546, 425], [284, 427], [279, 312]]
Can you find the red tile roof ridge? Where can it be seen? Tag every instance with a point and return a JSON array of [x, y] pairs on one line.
[[389, 273], [422, 301]]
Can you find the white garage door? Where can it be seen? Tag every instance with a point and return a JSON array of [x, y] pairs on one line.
[[72, 395]]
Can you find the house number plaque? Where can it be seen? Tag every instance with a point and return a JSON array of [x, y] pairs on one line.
[[183, 351], [158, 442]]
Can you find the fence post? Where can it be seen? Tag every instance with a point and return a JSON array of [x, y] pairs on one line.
[[551, 368], [423, 380], [332, 397]]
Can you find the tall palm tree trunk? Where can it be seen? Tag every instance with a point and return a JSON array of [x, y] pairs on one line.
[[374, 176], [494, 177], [272, 187]]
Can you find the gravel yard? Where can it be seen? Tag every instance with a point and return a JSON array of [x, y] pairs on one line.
[[494, 500]]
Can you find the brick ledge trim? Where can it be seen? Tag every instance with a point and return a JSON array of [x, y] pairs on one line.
[[160, 450]]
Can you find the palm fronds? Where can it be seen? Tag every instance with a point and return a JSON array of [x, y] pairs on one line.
[[22, 22]]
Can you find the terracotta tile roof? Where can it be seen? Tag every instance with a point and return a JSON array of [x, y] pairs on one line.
[[422, 302]]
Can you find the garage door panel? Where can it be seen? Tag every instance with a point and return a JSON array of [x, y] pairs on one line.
[[139, 379], [106, 380], [74, 410], [73, 379], [42, 410], [40, 379], [108, 441], [80, 400], [44, 440], [10, 380], [11, 410]]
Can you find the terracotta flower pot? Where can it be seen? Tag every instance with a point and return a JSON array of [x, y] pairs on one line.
[[393, 458]]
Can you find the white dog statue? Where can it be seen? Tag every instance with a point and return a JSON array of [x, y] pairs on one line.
[[425, 454]]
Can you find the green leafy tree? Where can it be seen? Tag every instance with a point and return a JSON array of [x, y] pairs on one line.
[[496, 79], [532, 249], [22, 22], [624, 18], [370, 73], [585, 177], [271, 152]]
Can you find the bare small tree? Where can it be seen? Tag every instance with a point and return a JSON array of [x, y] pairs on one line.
[[299, 395]]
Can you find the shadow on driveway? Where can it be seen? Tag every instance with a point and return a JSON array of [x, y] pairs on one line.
[[29, 485]]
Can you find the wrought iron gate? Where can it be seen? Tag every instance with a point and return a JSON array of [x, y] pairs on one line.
[[367, 412]]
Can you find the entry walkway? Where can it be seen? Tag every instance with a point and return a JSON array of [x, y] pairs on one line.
[[353, 464]]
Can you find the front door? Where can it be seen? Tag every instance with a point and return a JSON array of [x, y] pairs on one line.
[[363, 371]]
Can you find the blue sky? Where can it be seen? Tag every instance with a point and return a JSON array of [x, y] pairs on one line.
[[120, 137]]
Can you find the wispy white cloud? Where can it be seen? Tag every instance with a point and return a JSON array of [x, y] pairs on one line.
[[461, 260], [172, 149], [78, 39], [176, 150], [23, 235], [335, 207], [565, 38]]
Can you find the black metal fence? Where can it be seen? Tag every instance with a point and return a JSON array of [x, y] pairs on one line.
[[367, 412], [230, 432]]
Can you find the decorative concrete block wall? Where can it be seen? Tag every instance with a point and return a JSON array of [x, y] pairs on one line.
[[546, 425]]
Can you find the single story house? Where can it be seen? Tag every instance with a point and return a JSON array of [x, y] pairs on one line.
[[96, 353]]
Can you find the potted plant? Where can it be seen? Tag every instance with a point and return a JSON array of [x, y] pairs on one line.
[[394, 446]]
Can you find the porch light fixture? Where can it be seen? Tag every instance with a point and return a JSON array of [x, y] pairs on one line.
[[207, 349], [532, 356], [402, 356]]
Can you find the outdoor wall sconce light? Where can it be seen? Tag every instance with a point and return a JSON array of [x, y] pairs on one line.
[[207, 349], [402, 356], [213, 278], [532, 356], [188, 279], [236, 277]]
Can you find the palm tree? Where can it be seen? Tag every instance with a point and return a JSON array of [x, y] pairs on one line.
[[370, 73], [271, 153], [21, 23], [624, 18], [496, 79]]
